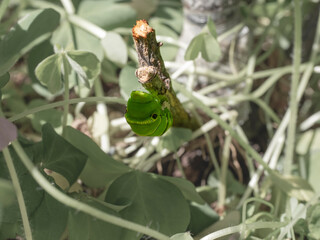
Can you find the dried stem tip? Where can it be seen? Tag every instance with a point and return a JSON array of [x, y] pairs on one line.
[[141, 29]]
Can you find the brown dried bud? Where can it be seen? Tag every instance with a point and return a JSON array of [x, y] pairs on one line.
[[144, 74]]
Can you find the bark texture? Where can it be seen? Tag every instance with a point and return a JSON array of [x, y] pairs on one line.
[[153, 75]]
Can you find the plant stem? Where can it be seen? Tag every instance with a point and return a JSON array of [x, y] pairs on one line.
[[88, 26], [224, 170], [69, 101], [66, 93], [103, 111], [179, 165], [17, 188], [242, 227], [70, 202], [291, 134], [68, 6]]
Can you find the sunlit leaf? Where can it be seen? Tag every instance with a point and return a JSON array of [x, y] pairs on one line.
[[182, 236], [204, 44], [49, 74], [128, 81], [294, 186], [85, 64], [308, 149], [115, 48], [108, 14]]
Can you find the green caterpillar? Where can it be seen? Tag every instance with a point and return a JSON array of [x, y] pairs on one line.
[[146, 116]]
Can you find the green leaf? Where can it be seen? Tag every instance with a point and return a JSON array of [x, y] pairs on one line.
[[182, 236], [31, 30], [211, 49], [50, 219], [309, 150], [208, 193], [232, 218], [313, 219], [294, 186], [7, 194], [108, 14], [60, 156], [48, 73], [186, 187], [4, 79], [174, 138], [47, 216], [32, 195], [202, 216], [85, 41], [52, 116], [210, 28], [109, 71], [204, 44], [83, 226], [85, 64], [36, 55], [128, 81], [100, 168], [194, 48], [155, 202], [115, 48], [8, 132]]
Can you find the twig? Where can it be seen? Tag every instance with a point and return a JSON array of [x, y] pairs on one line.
[[153, 75]]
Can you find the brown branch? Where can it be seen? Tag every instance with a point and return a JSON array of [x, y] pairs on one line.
[[153, 75]]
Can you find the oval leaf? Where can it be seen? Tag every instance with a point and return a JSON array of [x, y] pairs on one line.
[[210, 50], [186, 187], [85, 64], [294, 186], [60, 156], [194, 48], [155, 203], [101, 168], [128, 81], [115, 48], [48, 73], [205, 44]]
